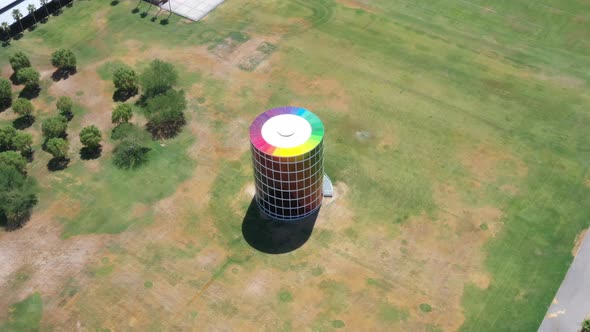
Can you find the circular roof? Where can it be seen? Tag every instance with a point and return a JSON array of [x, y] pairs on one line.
[[286, 131]]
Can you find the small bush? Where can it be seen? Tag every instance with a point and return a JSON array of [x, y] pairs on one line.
[[18, 61], [130, 154]]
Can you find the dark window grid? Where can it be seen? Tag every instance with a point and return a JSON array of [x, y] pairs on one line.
[[267, 188], [314, 195], [271, 162], [317, 175], [291, 217], [268, 205], [317, 167]]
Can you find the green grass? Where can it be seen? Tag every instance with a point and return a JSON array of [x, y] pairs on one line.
[[442, 78], [25, 315], [109, 196]]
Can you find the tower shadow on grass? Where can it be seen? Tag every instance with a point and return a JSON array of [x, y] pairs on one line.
[[275, 237]]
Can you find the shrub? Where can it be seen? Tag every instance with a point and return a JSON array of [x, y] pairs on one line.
[[65, 105], [122, 114], [63, 59], [58, 147], [90, 137], [158, 78], [7, 134], [22, 107], [125, 79], [54, 127], [18, 61], [22, 142], [29, 77], [5, 93], [17, 196], [586, 326], [165, 113], [14, 159], [130, 154]]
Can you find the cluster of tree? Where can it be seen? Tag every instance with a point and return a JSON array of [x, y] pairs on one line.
[[17, 190], [23, 72], [64, 61], [164, 106]]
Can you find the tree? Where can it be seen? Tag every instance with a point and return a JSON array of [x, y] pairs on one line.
[[17, 16], [165, 113], [31, 8], [22, 142], [586, 326], [22, 107], [7, 134], [58, 147], [18, 61], [65, 105], [29, 77], [44, 4], [122, 114], [6, 28], [54, 127], [63, 59], [125, 79], [130, 154], [5, 93], [158, 78], [17, 196], [14, 159], [90, 137]]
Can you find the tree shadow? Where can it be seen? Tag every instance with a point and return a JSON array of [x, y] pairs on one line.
[[58, 164], [87, 153], [114, 2], [164, 21], [30, 92], [123, 95], [62, 74], [29, 155], [5, 105], [5, 43], [16, 224], [135, 10], [32, 27], [275, 237], [23, 122], [144, 14], [13, 79], [69, 115]]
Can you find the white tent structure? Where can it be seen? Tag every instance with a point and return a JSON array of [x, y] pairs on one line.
[[191, 9], [7, 6]]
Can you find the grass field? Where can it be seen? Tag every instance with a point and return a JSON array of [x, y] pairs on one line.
[[456, 135]]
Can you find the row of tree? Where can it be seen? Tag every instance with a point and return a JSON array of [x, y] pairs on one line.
[[17, 15]]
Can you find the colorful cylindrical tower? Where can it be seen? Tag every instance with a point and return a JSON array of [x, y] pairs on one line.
[[288, 157]]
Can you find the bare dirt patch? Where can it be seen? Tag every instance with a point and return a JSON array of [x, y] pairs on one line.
[[486, 163], [357, 4]]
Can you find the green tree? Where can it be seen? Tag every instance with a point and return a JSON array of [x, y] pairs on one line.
[[65, 105], [44, 4], [29, 77], [18, 61], [90, 137], [63, 59], [122, 114], [158, 78], [17, 196], [54, 127], [17, 16], [165, 113], [130, 154], [7, 134], [22, 107], [14, 159], [6, 28], [58, 147], [5, 93], [586, 326], [31, 8], [125, 79], [22, 142]]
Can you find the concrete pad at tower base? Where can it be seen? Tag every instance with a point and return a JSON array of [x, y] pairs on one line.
[[191, 9]]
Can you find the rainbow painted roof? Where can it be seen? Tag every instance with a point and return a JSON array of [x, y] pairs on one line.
[[307, 131]]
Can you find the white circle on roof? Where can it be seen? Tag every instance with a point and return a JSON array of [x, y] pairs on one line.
[[286, 131]]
